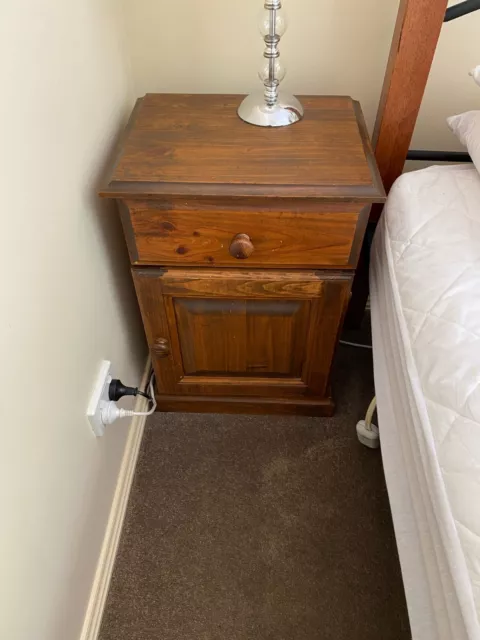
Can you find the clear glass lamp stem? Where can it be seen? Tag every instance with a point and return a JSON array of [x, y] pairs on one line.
[[273, 108]]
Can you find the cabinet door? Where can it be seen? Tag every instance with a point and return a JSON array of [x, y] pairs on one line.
[[259, 333]]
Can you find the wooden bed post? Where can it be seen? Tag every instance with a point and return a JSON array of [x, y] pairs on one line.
[[417, 30]]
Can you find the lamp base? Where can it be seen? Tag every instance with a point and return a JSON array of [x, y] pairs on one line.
[[254, 110]]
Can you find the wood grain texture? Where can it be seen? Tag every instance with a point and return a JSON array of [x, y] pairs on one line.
[[328, 313], [237, 333], [360, 290], [128, 231], [239, 336], [150, 298], [418, 27], [245, 242], [219, 283], [280, 236], [197, 145], [359, 236], [321, 407], [417, 30]]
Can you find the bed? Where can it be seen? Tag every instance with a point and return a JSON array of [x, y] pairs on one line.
[[425, 302], [425, 306]]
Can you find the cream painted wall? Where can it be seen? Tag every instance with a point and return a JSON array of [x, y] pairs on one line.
[[450, 90], [66, 303], [332, 46]]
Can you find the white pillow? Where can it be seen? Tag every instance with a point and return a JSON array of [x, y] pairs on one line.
[[466, 127]]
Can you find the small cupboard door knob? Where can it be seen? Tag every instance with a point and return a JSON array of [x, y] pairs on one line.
[[161, 348], [241, 247]]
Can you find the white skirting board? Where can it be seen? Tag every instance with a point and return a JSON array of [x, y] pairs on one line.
[[103, 574]]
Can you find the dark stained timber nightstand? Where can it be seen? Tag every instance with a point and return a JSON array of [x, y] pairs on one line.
[[244, 243]]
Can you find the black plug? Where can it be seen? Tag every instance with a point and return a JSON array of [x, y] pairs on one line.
[[118, 390]]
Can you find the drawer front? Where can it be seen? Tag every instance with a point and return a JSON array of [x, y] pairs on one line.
[[321, 236]]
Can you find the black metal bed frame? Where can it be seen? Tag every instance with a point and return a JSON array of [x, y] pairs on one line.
[[457, 11], [461, 9]]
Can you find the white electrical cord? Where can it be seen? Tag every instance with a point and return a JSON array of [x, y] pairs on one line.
[[369, 417], [367, 432], [111, 412], [356, 344], [153, 401]]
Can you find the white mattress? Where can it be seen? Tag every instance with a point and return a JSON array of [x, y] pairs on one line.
[[425, 297]]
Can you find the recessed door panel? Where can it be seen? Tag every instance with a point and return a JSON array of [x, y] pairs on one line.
[[242, 337]]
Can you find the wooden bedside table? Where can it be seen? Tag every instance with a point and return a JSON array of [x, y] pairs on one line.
[[244, 243]]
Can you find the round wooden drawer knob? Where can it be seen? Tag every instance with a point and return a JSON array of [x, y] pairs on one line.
[[161, 348], [241, 247]]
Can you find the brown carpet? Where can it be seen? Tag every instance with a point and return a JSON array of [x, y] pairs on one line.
[[265, 528]]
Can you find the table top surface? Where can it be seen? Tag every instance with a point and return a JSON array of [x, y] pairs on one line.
[[197, 145]]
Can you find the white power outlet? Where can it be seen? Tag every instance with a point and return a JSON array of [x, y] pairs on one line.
[[99, 399]]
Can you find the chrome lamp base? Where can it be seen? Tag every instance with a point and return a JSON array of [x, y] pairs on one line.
[[286, 110]]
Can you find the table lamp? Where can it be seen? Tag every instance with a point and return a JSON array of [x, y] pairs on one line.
[[272, 107]]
